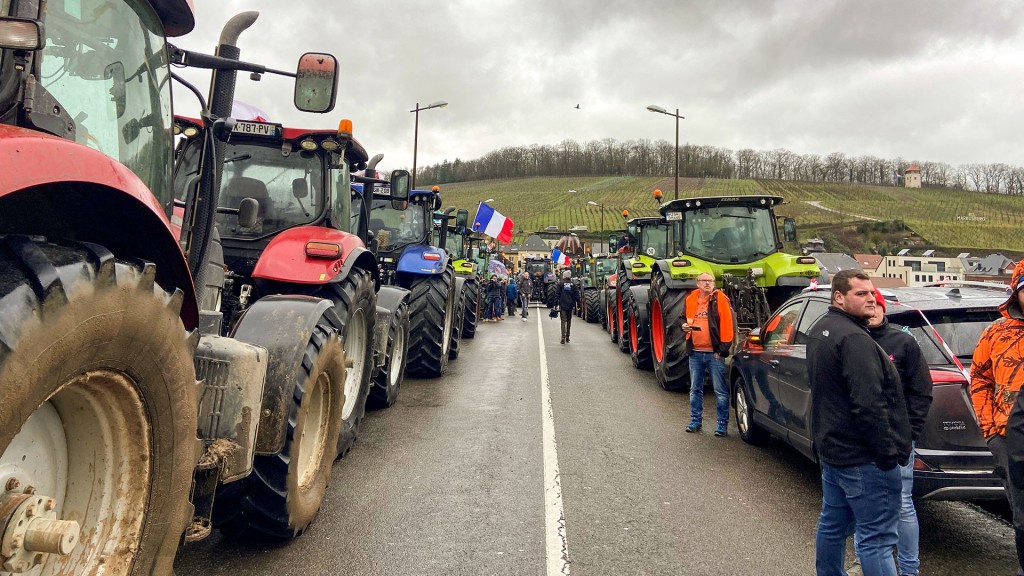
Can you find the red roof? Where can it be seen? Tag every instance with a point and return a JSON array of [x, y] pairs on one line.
[[913, 168]]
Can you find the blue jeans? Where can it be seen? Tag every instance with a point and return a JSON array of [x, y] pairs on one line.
[[698, 362], [864, 497], [908, 529], [524, 303]]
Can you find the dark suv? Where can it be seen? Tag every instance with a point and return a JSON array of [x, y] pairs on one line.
[[771, 394]]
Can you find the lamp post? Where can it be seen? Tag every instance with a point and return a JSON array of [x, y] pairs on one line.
[[416, 132], [659, 110]]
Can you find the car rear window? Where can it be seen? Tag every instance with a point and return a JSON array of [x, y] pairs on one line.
[[959, 328]]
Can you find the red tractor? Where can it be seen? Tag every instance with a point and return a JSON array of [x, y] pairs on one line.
[[105, 433]]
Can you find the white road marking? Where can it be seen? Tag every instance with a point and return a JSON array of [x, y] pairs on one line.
[[557, 549]]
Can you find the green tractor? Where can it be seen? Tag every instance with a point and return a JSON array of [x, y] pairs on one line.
[[649, 241], [737, 240], [596, 270]]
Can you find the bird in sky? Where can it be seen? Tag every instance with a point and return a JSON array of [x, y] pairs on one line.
[[577, 106]]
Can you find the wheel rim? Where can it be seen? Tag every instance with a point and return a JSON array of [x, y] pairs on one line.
[[355, 350], [449, 319], [742, 414], [619, 312], [312, 429], [657, 331], [397, 356], [89, 449]]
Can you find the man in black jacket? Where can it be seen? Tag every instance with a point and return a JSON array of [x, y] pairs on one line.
[[568, 296], [861, 431], [916, 380]]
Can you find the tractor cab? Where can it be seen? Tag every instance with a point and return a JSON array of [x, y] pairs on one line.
[[650, 242], [402, 233], [736, 239]]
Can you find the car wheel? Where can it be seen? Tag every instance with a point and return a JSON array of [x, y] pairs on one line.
[[750, 431]]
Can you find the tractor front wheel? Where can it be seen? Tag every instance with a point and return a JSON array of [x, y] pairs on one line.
[[431, 315], [668, 343], [388, 380], [97, 410]]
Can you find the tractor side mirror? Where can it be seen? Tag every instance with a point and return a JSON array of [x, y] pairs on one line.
[[316, 82], [789, 229], [400, 189], [300, 189], [248, 208], [462, 218]]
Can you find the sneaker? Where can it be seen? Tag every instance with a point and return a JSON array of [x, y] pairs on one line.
[[721, 431], [562, 341], [693, 427], [524, 318], [566, 339]]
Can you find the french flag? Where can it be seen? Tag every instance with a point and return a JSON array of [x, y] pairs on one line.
[[559, 258], [491, 222]]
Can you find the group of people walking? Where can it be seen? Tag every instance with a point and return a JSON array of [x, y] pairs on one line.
[[503, 296]]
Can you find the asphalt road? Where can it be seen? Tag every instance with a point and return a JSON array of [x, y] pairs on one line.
[[452, 480]]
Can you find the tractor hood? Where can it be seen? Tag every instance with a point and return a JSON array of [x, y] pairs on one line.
[[420, 259]]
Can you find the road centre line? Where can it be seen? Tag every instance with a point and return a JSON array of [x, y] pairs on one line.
[[557, 546]]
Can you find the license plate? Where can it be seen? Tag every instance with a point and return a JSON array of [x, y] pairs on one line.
[[671, 216], [256, 129], [388, 259]]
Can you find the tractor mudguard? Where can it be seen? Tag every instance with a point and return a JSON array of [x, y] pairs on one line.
[[282, 325], [661, 270], [77, 198], [641, 294], [423, 259], [389, 298], [285, 258]]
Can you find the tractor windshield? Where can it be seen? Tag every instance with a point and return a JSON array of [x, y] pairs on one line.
[[290, 189], [727, 234], [538, 267], [654, 240], [394, 229], [456, 245], [604, 266], [106, 65]]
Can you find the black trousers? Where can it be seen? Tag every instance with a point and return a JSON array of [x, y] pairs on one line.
[[1009, 455], [566, 316]]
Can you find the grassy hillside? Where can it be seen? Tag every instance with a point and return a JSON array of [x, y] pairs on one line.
[[945, 218]]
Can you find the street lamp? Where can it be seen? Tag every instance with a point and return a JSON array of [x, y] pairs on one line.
[[592, 203], [659, 110], [416, 132]]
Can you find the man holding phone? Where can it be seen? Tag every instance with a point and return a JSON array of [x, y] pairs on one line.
[[709, 330]]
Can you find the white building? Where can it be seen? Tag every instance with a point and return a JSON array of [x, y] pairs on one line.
[[920, 270]]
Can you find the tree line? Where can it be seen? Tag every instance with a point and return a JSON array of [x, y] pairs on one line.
[[644, 157]]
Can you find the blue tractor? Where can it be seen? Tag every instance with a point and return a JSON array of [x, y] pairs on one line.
[[401, 234]]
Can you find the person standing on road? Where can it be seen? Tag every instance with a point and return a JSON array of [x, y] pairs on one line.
[[996, 380], [494, 299], [568, 296], [511, 296], [525, 291], [861, 431], [709, 331], [906, 355]]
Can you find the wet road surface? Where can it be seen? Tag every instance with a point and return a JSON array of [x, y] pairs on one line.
[[452, 480]]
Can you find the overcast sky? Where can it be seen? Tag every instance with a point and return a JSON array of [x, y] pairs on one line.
[[928, 80]]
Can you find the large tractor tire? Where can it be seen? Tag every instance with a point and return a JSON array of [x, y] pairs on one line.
[[668, 343], [461, 303], [639, 332], [470, 316], [431, 315], [622, 303], [355, 304], [610, 315], [98, 408], [551, 294], [282, 496], [591, 305], [388, 381]]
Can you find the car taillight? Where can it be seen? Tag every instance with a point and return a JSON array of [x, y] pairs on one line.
[[920, 464], [431, 256], [947, 377]]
